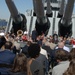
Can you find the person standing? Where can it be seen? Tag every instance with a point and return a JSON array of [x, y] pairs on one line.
[[36, 67], [6, 58], [34, 35], [55, 38]]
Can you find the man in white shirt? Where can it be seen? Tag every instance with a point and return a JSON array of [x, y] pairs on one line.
[[63, 63], [61, 45]]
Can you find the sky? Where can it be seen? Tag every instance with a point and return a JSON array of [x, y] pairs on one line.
[[22, 6]]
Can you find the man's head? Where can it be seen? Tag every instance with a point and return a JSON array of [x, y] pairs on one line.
[[60, 45], [34, 50], [2, 41], [62, 55], [8, 45]]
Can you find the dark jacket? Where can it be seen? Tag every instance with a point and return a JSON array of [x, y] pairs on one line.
[[34, 35], [17, 73], [7, 58], [25, 50]]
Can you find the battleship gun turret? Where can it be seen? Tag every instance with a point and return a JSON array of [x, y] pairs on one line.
[[65, 23], [19, 20], [61, 10], [42, 24], [49, 9]]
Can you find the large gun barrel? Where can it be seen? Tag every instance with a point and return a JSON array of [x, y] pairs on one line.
[[49, 9], [42, 23], [34, 2], [39, 9], [19, 20], [61, 10], [65, 24]]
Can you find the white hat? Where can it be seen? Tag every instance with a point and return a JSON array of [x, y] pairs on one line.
[[25, 32], [73, 46], [2, 34]]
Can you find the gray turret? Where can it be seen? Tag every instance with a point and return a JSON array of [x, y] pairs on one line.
[[65, 23], [42, 23], [19, 20]]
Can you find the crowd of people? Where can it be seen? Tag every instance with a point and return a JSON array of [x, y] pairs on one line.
[[36, 54]]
